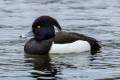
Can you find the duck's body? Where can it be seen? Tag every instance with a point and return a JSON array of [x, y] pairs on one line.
[[63, 42], [48, 46], [45, 41]]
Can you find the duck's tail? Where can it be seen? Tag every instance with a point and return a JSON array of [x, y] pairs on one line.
[[95, 45]]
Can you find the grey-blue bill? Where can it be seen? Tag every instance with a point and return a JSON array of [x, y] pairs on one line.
[[26, 35]]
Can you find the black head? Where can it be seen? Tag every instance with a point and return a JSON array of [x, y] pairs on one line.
[[43, 27]]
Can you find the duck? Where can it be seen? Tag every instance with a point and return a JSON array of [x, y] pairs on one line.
[[46, 40]]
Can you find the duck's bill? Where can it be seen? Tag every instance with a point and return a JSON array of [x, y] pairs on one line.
[[26, 35]]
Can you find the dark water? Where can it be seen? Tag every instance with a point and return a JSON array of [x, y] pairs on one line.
[[96, 18]]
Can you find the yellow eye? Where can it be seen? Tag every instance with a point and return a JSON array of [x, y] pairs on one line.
[[38, 26]]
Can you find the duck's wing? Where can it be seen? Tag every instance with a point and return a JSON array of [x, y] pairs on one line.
[[68, 37], [65, 37]]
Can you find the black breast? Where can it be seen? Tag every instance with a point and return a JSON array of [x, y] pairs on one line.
[[37, 47]]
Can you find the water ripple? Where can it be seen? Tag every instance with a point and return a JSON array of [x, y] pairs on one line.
[[98, 19]]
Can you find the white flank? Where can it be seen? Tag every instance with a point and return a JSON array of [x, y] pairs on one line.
[[75, 47]]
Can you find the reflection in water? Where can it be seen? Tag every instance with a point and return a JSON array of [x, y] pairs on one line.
[[42, 67]]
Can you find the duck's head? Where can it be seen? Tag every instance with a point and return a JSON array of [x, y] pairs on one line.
[[43, 28]]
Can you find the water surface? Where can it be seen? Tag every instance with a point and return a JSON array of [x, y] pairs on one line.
[[96, 18]]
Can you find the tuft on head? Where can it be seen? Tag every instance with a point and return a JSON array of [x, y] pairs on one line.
[[43, 27], [46, 21]]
